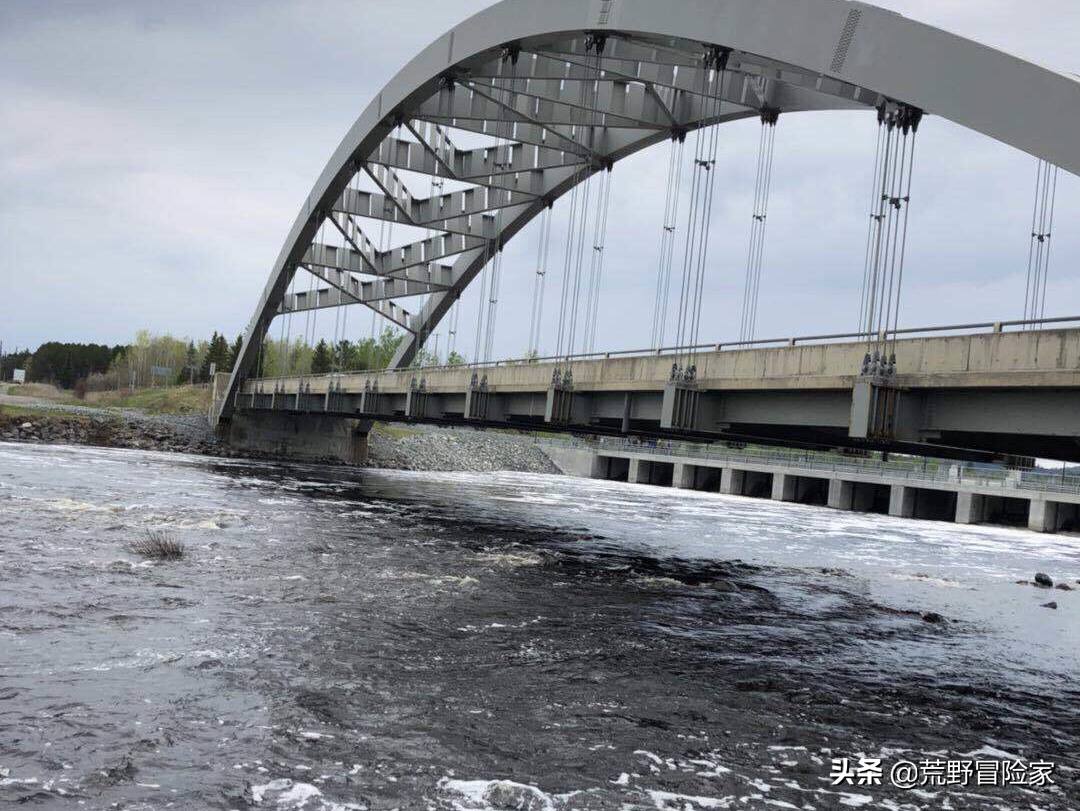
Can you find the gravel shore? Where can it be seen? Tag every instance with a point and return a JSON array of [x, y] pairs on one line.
[[412, 447], [425, 447]]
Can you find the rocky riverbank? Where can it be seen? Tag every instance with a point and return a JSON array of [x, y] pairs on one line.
[[390, 446], [77, 425]]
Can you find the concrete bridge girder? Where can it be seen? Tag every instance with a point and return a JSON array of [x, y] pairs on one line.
[[990, 401]]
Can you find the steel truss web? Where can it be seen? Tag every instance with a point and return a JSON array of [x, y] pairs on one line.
[[550, 119]]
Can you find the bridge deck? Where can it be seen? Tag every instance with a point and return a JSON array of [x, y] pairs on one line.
[[1010, 359], [996, 392]]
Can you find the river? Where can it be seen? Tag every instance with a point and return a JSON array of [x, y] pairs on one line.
[[348, 639]]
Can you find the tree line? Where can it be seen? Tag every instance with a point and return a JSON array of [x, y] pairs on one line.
[[280, 358], [62, 364], [161, 360]]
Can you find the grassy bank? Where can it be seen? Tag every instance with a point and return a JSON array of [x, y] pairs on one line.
[[13, 413], [394, 431], [174, 400], [40, 391], [171, 400]]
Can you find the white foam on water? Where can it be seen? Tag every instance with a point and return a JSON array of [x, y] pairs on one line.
[[492, 795], [290, 795], [854, 800], [18, 781], [990, 751], [670, 801], [509, 559], [713, 769], [941, 582]]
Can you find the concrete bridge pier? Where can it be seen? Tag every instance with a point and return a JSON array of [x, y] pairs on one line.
[[841, 494], [1042, 515], [731, 481], [310, 437], [683, 476], [783, 487], [645, 471], [970, 508], [1053, 516], [902, 501]]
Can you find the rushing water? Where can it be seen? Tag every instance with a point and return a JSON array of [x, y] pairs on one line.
[[349, 639]]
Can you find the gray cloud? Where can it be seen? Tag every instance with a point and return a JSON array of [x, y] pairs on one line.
[[154, 155]]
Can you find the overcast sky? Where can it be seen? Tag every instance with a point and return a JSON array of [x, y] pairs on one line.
[[153, 155]]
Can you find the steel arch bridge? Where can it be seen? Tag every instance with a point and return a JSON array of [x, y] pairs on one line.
[[781, 55]]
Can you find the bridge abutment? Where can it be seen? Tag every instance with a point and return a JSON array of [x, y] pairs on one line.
[[309, 437]]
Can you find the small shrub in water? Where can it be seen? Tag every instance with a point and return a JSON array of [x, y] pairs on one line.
[[158, 545]]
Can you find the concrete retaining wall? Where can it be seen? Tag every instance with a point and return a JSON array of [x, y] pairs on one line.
[[311, 437]]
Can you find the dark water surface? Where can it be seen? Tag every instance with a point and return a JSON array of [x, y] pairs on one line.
[[338, 639]]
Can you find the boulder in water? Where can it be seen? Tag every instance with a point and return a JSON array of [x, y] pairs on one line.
[[1050, 604], [933, 617], [1063, 587], [1042, 579]]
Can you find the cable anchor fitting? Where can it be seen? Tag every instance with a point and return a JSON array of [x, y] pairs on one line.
[[717, 56], [511, 53], [595, 42]]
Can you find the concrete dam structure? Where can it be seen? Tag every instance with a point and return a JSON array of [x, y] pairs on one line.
[[904, 488]]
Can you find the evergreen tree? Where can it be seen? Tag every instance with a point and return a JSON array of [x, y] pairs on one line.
[[12, 361], [234, 352], [454, 359], [217, 353], [320, 361], [347, 356], [63, 364], [191, 361]]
